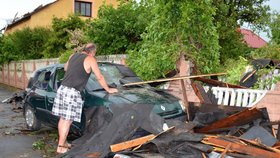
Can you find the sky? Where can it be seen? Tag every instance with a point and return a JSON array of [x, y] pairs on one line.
[[11, 8]]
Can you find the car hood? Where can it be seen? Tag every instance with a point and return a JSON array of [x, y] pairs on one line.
[[164, 104]]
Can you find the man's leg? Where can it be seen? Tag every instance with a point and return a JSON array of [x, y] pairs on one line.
[[63, 130]]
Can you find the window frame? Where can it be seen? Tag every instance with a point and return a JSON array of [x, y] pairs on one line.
[[78, 8], [55, 80]]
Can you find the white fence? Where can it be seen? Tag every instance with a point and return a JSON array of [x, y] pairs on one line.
[[268, 81], [237, 97]]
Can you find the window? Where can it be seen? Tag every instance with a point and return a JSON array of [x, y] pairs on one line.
[[83, 8], [43, 79], [59, 75]]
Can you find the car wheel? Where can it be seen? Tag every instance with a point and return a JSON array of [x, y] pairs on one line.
[[31, 121]]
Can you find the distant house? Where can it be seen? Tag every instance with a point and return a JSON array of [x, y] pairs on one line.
[[252, 39], [43, 15]]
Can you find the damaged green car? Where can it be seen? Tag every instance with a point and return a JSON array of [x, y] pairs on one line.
[[43, 84]]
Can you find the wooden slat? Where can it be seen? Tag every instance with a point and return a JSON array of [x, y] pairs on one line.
[[131, 143], [239, 98], [238, 119], [241, 148], [226, 98], [220, 97], [136, 142], [232, 98], [245, 99], [218, 83], [252, 98]]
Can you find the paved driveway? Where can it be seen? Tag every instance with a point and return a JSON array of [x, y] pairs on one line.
[[14, 143]]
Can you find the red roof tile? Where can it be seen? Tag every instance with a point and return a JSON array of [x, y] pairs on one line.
[[253, 40]]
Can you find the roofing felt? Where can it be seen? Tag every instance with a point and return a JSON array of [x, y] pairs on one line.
[[252, 39]]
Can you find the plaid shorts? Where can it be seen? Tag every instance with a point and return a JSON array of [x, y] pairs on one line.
[[68, 104]]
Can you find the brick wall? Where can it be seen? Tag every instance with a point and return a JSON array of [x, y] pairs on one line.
[[272, 103]]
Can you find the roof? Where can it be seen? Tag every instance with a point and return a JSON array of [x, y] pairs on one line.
[[28, 15], [252, 39]]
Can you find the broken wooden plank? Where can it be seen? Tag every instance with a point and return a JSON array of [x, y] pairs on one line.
[[225, 151], [185, 99], [238, 119], [172, 79], [135, 142], [201, 94], [131, 143], [217, 83], [260, 145], [240, 148]]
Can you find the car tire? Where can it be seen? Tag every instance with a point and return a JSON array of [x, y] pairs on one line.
[[31, 120]]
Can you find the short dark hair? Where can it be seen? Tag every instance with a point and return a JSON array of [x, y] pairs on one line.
[[89, 47]]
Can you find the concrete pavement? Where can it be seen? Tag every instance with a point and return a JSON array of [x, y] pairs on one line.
[[14, 143]]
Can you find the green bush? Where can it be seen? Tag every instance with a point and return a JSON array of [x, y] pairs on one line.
[[173, 32], [62, 28], [271, 51], [24, 44], [117, 30], [65, 56]]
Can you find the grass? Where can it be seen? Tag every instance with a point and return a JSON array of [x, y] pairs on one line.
[[47, 142]]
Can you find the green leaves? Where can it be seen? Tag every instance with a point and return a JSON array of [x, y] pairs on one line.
[[230, 15], [177, 27], [275, 28], [24, 44], [117, 30], [62, 28]]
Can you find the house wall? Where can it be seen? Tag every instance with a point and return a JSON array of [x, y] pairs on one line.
[[59, 9], [20, 25]]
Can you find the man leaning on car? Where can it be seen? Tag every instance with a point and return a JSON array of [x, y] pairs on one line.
[[68, 101]]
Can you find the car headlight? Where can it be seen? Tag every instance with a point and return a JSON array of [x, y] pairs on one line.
[[182, 105]]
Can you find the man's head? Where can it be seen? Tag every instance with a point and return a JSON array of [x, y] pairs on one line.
[[90, 49]]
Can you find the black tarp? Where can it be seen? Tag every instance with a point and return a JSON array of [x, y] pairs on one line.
[[106, 128]]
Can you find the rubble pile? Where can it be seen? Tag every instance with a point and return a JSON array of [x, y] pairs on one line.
[[214, 131]]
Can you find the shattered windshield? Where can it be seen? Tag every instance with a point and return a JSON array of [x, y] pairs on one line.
[[114, 74], [111, 74]]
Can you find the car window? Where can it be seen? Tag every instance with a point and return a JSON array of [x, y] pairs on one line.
[[33, 79], [115, 75], [59, 75], [111, 74], [43, 79]]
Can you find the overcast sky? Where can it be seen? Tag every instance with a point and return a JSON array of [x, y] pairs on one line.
[[9, 9]]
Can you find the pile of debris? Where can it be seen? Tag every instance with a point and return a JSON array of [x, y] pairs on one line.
[[214, 131]]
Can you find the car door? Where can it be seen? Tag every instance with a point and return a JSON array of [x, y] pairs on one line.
[[38, 94], [55, 82]]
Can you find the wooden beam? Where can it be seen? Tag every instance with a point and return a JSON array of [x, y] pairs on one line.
[[131, 143], [238, 119], [173, 79], [185, 100], [136, 142], [218, 83], [240, 148]]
